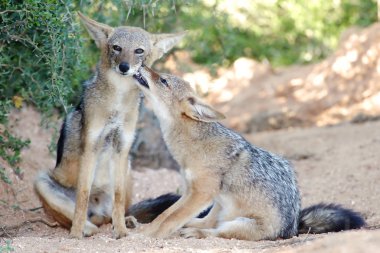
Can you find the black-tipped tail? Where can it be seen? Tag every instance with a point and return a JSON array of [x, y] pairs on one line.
[[323, 218], [147, 210]]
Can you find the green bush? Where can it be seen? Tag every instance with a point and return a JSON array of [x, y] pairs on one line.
[[283, 32], [39, 62], [39, 55]]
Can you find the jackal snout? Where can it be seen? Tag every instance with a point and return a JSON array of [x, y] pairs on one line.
[[128, 49], [174, 96], [144, 74], [125, 63], [124, 67]]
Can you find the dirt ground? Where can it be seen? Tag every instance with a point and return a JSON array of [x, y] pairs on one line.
[[325, 117], [339, 164]]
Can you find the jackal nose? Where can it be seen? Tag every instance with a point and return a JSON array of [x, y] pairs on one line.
[[124, 67]]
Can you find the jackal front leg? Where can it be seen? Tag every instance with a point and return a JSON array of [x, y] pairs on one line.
[[85, 180], [121, 166], [178, 215], [199, 196]]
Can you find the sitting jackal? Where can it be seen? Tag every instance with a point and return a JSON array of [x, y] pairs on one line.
[[90, 183]]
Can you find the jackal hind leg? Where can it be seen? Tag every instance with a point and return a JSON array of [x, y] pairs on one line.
[[240, 228], [209, 221]]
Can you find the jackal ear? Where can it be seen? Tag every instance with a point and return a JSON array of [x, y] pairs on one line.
[[162, 43], [98, 31], [200, 111]]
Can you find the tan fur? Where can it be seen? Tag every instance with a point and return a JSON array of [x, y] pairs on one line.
[[98, 137], [59, 217], [245, 214]]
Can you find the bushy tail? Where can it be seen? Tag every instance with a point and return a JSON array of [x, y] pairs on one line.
[[54, 196], [323, 218], [147, 210]]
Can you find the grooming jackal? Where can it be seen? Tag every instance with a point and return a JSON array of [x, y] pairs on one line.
[[254, 192]]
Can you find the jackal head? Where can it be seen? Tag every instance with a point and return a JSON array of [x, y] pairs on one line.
[[173, 98], [125, 48]]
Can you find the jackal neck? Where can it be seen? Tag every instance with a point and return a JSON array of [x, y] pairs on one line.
[[184, 130], [120, 82]]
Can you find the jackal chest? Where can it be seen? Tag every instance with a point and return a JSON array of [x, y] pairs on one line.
[[114, 124], [114, 138], [123, 94], [116, 132]]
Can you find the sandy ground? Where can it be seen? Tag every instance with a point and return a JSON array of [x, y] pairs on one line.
[[339, 164]]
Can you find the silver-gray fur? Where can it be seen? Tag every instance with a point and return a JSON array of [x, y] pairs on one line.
[[92, 155], [254, 192]]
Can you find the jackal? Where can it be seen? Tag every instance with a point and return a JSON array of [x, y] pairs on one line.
[[254, 192], [90, 183]]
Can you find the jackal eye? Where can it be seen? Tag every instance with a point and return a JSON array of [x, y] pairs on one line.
[[116, 48], [139, 51], [164, 82]]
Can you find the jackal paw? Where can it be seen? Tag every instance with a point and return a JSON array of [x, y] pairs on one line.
[[192, 233], [131, 222], [76, 234], [120, 231], [90, 229]]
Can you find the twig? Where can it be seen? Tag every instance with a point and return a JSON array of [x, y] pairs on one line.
[[129, 6], [10, 231], [143, 8], [307, 235], [373, 227], [34, 209], [2, 12]]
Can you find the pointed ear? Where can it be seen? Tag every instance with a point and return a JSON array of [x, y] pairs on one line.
[[98, 31], [162, 43], [200, 111]]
